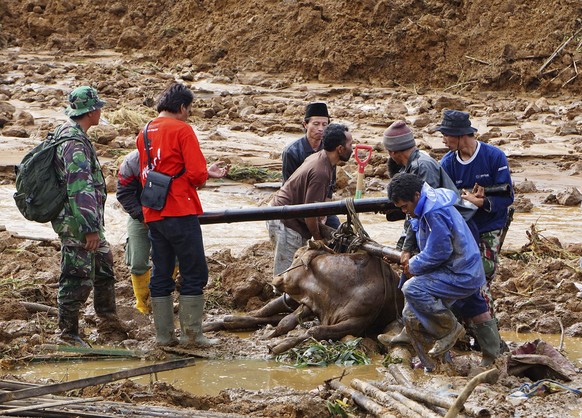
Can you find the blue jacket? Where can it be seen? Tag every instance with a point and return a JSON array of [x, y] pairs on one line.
[[448, 251], [487, 167]]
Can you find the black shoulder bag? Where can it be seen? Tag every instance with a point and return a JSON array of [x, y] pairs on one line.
[[157, 185]]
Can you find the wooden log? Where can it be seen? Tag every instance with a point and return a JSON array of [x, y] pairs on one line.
[[393, 399], [430, 398], [110, 352], [39, 307], [32, 238], [52, 404], [402, 376], [361, 400], [91, 381], [489, 376]]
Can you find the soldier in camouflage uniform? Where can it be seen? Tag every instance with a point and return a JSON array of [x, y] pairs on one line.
[[86, 258]]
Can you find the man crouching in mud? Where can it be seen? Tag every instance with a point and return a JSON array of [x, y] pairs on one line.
[[447, 268]]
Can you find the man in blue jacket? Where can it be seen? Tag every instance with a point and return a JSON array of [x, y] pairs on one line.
[[447, 268], [476, 167]]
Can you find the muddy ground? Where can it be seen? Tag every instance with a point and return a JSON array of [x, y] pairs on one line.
[[373, 63]]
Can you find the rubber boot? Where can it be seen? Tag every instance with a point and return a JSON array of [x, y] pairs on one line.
[[141, 290], [108, 323], [191, 311], [447, 342], [487, 335], [402, 338], [163, 312], [420, 339], [69, 326]]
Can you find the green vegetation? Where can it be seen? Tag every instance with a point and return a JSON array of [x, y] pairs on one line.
[[339, 408], [323, 353], [258, 174]]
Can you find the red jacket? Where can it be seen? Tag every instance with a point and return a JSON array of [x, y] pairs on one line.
[[173, 146]]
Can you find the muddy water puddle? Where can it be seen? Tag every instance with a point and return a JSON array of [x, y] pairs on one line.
[[209, 377]]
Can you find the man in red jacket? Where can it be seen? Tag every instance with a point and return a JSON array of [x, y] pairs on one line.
[[174, 231]]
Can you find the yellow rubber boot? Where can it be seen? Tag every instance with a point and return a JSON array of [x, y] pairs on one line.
[[141, 290]]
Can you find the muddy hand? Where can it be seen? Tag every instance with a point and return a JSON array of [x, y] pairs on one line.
[[218, 169], [92, 241], [478, 191]]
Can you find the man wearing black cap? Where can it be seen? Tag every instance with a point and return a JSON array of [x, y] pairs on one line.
[[309, 184], [474, 166], [314, 123]]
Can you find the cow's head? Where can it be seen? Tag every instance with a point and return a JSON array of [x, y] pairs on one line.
[[290, 280]]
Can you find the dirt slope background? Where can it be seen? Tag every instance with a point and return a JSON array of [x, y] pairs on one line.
[[460, 45]]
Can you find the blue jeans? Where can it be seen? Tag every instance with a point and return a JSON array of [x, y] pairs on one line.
[[429, 300], [177, 237]]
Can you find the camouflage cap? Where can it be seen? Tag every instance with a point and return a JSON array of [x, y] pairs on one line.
[[82, 100]]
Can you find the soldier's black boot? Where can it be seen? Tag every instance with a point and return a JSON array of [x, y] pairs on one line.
[[69, 326], [108, 323]]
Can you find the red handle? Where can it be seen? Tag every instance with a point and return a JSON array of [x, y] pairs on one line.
[[362, 162]]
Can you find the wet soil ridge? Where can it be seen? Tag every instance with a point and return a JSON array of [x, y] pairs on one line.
[[458, 45]]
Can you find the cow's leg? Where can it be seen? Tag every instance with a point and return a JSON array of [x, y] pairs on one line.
[[291, 321], [282, 304], [288, 343], [241, 323], [320, 332], [272, 313], [353, 326]]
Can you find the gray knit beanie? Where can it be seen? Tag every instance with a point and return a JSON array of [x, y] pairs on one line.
[[398, 137]]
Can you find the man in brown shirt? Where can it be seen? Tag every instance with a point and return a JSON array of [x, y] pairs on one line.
[[308, 184]]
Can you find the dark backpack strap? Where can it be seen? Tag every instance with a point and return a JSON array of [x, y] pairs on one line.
[[146, 142], [182, 171]]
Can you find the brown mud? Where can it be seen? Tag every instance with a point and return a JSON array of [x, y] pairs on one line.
[[253, 66]]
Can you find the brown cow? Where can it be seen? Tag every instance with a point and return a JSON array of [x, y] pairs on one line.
[[350, 294]]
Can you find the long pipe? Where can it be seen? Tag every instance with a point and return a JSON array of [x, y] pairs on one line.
[[293, 211]]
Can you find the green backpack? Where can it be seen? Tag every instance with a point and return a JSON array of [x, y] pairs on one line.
[[40, 193]]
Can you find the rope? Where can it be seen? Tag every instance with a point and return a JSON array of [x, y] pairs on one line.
[[361, 235]]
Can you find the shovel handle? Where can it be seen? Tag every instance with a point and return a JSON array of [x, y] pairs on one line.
[[362, 162]]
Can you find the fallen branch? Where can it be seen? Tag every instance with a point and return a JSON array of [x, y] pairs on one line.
[[574, 76], [557, 51], [39, 307], [394, 399], [110, 352], [490, 376], [42, 239], [361, 400], [92, 381], [560, 73], [478, 60], [463, 84], [49, 405], [430, 398], [398, 375]]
